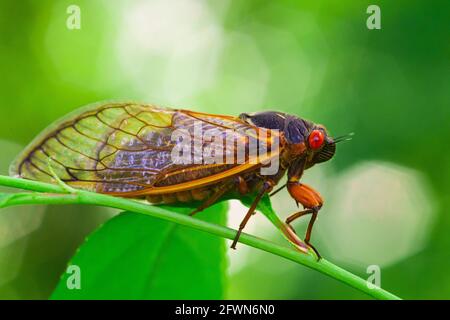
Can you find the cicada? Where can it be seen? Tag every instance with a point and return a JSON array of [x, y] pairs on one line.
[[139, 150]]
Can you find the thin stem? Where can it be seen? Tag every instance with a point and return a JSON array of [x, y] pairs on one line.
[[57, 195]]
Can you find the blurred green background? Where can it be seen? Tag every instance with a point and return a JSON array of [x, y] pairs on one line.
[[387, 191]]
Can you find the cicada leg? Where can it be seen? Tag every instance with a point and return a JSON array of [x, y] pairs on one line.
[[297, 215], [212, 199], [267, 187], [239, 182], [242, 185], [311, 201], [278, 190]]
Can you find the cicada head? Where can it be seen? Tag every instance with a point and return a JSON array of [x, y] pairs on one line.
[[312, 139], [321, 146]]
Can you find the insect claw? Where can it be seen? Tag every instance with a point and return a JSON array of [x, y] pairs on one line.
[[317, 254]]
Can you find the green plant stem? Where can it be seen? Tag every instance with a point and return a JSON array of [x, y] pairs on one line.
[[55, 194]]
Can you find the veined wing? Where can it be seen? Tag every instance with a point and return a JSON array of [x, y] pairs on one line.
[[126, 149]]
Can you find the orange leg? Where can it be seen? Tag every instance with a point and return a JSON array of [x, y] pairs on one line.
[[311, 201]]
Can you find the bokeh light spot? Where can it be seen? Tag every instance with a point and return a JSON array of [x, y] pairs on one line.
[[378, 214], [169, 55]]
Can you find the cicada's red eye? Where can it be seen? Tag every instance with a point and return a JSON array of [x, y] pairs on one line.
[[316, 139]]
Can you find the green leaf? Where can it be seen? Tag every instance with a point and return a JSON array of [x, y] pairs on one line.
[[135, 256]]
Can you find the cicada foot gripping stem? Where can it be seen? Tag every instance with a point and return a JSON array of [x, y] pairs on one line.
[[311, 201]]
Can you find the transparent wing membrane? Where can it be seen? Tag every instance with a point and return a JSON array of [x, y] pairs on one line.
[[125, 148]]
